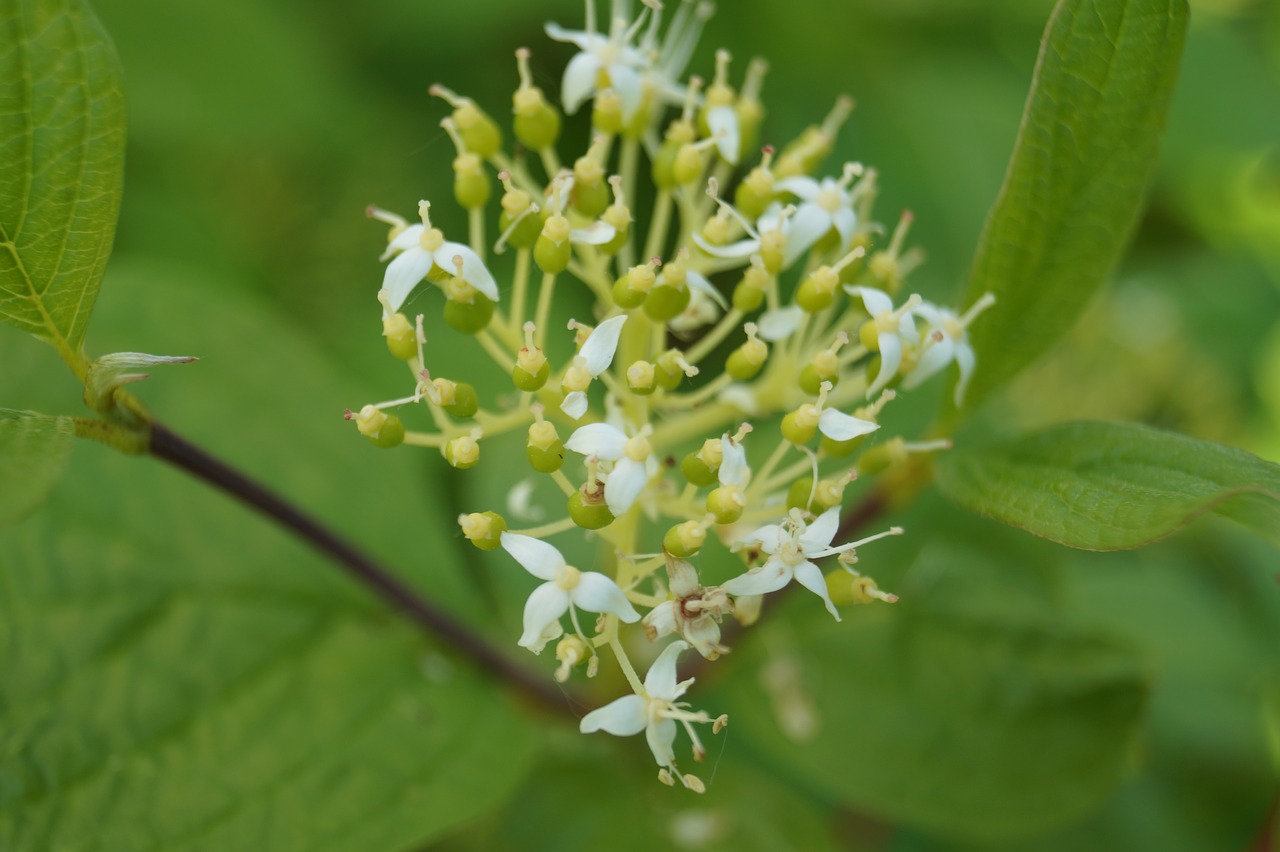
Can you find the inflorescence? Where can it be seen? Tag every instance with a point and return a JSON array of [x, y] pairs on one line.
[[778, 297]]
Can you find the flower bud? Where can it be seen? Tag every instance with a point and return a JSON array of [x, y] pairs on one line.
[[666, 302], [641, 378], [468, 317], [463, 452], [818, 291], [726, 504], [749, 294], [536, 123], [544, 449], [402, 340], [633, 287], [748, 359], [465, 401], [684, 540], [483, 529], [552, 251], [470, 183]]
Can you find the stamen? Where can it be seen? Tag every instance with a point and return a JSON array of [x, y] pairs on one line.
[[398, 223], [987, 300], [849, 258], [452, 98], [900, 232], [723, 58], [424, 212], [754, 80], [713, 190], [743, 431], [691, 99], [451, 128], [501, 245], [838, 116], [522, 68], [872, 411]]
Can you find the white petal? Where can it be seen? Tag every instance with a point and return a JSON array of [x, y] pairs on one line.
[[733, 464], [932, 314], [579, 81], [907, 329], [661, 620], [661, 735], [473, 268], [626, 83], [839, 426], [846, 222], [625, 717], [966, 361], [544, 608], [625, 482], [723, 120], [804, 188], [769, 537], [681, 577], [808, 225], [601, 344], [597, 593], [780, 324], [875, 301], [536, 556], [574, 404], [890, 360], [769, 577], [598, 439], [406, 239], [817, 536], [809, 576], [699, 283], [934, 359], [733, 251], [596, 234], [403, 274], [660, 682]]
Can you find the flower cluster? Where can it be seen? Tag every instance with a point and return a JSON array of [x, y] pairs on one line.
[[726, 388]]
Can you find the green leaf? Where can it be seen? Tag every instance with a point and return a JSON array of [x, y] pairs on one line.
[[979, 727], [62, 128], [34, 449], [178, 673], [1084, 153], [1111, 486]]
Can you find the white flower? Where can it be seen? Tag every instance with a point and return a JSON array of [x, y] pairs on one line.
[[839, 426], [791, 545], [823, 205], [894, 331], [694, 613], [621, 63], [592, 359], [950, 336], [565, 588], [417, 248], [632, 458], [655, 712]]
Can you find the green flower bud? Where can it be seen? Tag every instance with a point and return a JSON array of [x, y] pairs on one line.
[[840, 449], [463, 452], [798, 427], [684, 540], [642, 378], [666, 302], [468, 317], [402, 340], [470, 184], [536, 123], [547, 460], [391, 434], [552, 250], [530, 382], [748, 359], [465, 401], [696, 471], [818, 291], [726, 504], [480, 132], [606, 113], [483, 529]]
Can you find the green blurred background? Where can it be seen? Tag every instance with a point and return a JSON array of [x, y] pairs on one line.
[[259, 130]]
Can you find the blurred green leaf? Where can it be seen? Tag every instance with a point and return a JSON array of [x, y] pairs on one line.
[[1080, 165], [982, 727], [34, 449], [1111, 486], [61, 163], [179, 673]]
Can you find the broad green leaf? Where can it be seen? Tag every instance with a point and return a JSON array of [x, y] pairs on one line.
[[34, 449], [977, 727], [62, 127], [181, 674], [1084, 153], [1111, 486]]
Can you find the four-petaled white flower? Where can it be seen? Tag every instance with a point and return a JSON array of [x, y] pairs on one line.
[[565, 588], [655, 712], [612, 57], [632, 459], [418, 248], [790, 546], [824, 205], [592, 359], [951, 343], [895, 330]]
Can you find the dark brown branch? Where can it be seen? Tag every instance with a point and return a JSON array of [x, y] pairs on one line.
[[182, 454]]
